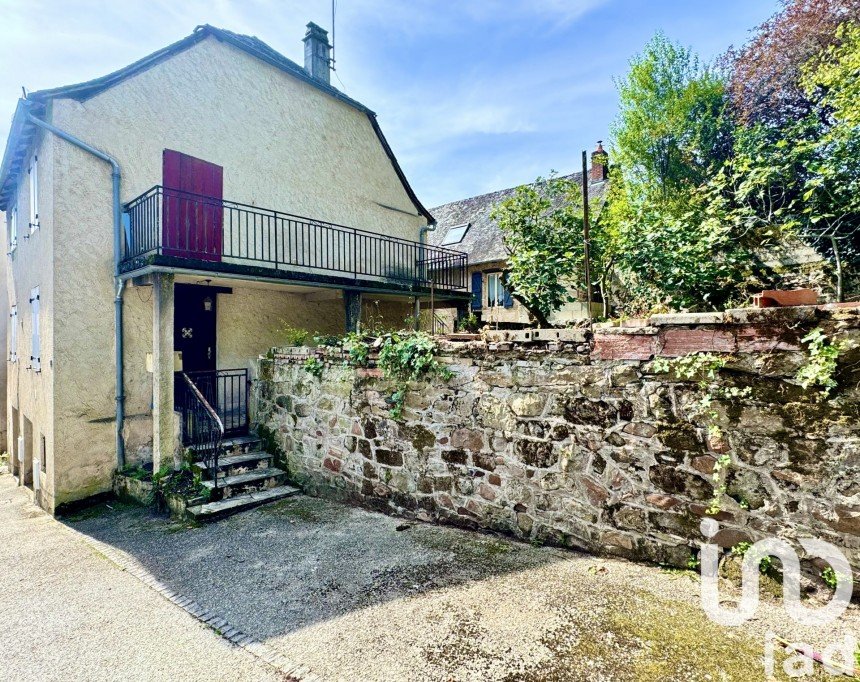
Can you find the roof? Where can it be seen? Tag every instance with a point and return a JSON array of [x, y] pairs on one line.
[[22, 132], [483, 240]]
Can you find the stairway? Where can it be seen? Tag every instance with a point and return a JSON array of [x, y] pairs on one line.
[[246, 478]]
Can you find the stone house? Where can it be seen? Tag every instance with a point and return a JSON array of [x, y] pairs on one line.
[[165, 222], [466, 225]]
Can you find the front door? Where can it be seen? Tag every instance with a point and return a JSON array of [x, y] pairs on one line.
[[194, 327], [193, 213]]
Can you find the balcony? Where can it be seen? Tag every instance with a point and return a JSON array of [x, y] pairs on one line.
[[168, 229]]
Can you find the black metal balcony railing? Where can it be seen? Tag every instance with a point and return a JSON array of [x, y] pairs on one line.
[[191, 227]]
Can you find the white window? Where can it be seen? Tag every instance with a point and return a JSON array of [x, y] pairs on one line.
[[455, 234], [495, 290], [13, 229], [34, 195], [13, 334], [35, 343]]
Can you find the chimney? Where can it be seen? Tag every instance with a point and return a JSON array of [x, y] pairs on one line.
[[317, 53], [599, 164]]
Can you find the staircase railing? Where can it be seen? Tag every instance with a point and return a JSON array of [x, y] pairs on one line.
[[202, 429]]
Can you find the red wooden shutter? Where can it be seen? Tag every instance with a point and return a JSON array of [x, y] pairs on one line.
[[192, 207]]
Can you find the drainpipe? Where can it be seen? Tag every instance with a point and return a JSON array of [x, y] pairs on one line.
[[117, 232], [422, 235]]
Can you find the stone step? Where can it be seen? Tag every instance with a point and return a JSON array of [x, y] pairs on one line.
[[242, 443], [233, 505], [258, 479], [233, 465]]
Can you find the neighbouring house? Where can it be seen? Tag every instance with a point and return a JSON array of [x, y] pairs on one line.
[[165, 223], [466, 225]]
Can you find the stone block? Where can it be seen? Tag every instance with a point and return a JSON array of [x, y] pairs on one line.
[[624, 346], [469, 439], [679, 342], [388, 457], [528, 404]]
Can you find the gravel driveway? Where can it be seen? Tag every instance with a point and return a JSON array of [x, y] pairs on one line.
[[68, 613], [356, 596]]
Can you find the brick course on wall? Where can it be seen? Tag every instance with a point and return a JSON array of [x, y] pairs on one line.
[[587, 445]]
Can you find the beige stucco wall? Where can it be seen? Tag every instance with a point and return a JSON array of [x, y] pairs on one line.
[[283, 145], [31, 393]]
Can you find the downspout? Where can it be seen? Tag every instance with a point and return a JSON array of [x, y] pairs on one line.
[[116, 176], [422, 235]]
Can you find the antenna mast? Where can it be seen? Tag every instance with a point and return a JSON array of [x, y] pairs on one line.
[[333, 12]]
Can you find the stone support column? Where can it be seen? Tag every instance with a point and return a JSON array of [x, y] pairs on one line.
[[163, 440]]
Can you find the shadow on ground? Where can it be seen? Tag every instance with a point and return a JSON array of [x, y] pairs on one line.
[[356, 595]]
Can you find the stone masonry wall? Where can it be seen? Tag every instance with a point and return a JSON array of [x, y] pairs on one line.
[[585, 444]]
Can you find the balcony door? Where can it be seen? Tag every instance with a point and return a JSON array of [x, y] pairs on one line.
[[193, 214]]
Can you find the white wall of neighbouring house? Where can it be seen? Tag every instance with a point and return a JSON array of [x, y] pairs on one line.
[[30, 389], [283, 144]]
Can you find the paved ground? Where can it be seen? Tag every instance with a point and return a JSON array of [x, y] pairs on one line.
[[346, 593], [68, 613]]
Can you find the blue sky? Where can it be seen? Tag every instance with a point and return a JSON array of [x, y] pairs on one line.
[[473, 95]]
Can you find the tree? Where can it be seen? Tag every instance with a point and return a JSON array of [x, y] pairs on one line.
[[798, 175], [671, 138], [765, 78], [542, 229], [671, 132]]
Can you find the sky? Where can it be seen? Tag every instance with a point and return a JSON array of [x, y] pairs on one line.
[[473, 95]]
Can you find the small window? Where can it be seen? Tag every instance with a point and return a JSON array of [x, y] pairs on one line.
[[13, 229], [13, 334], [34, 195], [43, 454], [495, 290], [455, 234], [35, 340]]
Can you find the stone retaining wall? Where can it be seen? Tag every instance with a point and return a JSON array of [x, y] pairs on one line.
[[584, 444]]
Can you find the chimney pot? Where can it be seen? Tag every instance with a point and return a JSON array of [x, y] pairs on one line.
[[317, 53], [599, 164]]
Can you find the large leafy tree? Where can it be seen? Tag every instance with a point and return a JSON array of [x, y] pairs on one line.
[[671, 138], [794, 168], [542, 227], [765, 84]]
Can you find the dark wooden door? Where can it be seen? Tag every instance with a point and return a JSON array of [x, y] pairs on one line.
[[193, 214], [194, 327]]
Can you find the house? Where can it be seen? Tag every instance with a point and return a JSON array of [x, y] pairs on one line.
[[165, 222], [466, 225]]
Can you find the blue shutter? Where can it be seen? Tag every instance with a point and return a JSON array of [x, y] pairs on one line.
[[507, 299], [477, 290]]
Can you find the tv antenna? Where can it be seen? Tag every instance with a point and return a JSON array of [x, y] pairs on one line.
[[333, 13]]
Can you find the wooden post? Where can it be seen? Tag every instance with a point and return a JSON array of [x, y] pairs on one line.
[[585, 233]]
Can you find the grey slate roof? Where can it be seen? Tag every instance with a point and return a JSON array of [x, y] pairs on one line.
[[483, 241], [22, 131]]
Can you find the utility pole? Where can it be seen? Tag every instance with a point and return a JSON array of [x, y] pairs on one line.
[[586, 239]]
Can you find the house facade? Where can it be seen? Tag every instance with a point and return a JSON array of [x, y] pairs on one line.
[[173, 218], [466, 225]]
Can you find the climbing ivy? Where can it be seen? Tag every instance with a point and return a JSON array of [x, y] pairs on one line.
[[405, 357], [314, 366], [357, 349], [820, 369], [703, 369]]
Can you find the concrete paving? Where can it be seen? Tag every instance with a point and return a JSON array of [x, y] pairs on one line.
[[67, 613], [359, 596]]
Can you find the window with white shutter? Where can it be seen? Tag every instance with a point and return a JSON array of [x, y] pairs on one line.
[[13, 229], [13, 334], [34, 195], [35, 345]]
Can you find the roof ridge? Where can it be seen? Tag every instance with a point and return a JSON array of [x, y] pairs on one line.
[[498, 191]]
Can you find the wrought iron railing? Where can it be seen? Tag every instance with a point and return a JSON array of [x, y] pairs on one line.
[[168, 222], [202, 428], [227, 391]]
